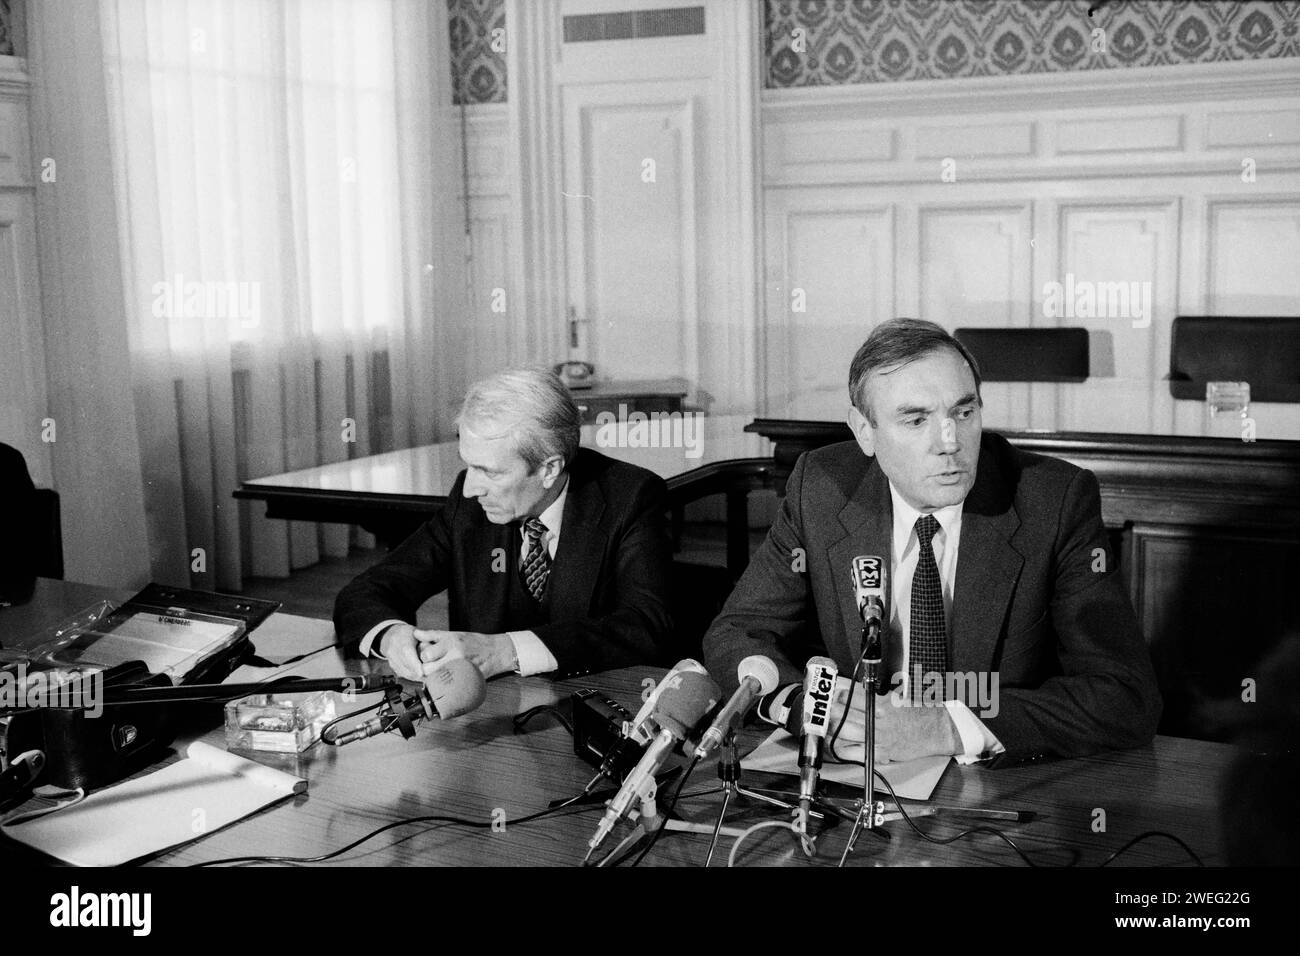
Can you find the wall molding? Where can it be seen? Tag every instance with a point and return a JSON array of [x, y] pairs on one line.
[[1187, 83], [1195, 122]]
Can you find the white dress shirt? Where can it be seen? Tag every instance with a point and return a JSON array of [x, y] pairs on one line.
[[976, 739], [531, 652]]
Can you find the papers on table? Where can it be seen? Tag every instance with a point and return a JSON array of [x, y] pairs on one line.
[[911, 779], [208, 790]]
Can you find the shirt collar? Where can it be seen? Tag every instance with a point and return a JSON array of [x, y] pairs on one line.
[[554, 513], [905, 518]]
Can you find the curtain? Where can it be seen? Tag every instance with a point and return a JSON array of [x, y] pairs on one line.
[[287, 178]]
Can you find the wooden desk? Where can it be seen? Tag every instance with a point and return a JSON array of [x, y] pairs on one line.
[[475, 766], [629, 397], [392, 493]]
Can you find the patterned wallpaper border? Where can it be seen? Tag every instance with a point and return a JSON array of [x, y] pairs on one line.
[[6, 28], [832, 42], [478, 59]]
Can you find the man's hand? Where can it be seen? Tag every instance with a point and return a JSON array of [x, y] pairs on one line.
[[903, 732], [492, 654], [906, 732], [399, 647]]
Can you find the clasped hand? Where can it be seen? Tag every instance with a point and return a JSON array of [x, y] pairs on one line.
[[413, 653], [904, 731]]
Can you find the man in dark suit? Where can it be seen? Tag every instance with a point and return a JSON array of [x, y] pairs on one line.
[[556, 558], [1002, 597]]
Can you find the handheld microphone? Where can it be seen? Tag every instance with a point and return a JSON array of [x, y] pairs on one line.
[[454, 689], [818, 689], [758, 676], [680, 706], [869, 582]]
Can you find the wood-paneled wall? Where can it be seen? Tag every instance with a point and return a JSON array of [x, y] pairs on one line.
[[960, 201]]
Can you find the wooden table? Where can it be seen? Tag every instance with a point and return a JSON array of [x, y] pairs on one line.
[[390, 494], [476, 767]]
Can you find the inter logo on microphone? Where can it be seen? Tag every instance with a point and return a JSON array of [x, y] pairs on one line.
[[817, 704]]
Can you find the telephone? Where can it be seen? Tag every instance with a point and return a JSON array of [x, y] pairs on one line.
[[576, 374]]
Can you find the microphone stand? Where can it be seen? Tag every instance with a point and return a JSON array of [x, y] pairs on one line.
[[870, 815], [650, 820], [729, 774]]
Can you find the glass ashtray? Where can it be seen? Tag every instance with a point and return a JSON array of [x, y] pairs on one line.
[[279, 723]]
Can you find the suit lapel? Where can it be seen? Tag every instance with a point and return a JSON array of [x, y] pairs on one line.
[[583, 538], [867, 519], [987, 569]]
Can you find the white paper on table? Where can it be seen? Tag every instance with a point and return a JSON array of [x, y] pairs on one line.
[[911, 779], [157, 811]]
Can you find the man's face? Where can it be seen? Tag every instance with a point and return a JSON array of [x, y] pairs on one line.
[[498, 478], [927, 432]]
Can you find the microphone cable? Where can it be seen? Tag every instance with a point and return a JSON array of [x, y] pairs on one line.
[[784, 824], [1146, 836], [436, 819], [994, 831], [331, 741], [848, 705]]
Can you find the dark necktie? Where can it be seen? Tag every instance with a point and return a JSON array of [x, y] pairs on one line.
[[537, 560], [928, 642]]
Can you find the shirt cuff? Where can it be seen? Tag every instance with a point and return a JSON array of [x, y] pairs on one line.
[[774, 708], [370, 643], [977, 741], [534, 657]]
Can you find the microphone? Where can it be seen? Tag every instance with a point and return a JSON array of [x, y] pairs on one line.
[[818, 689], [869, 580], [758, 676], [21, 774], [682, 704], [639, 728], [454, 689]]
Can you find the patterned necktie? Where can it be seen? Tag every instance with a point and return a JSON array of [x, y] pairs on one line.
[[537, 560], [928, 642]]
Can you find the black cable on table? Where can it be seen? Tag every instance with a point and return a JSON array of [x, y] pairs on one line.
[[437, 819], [1154, 833]]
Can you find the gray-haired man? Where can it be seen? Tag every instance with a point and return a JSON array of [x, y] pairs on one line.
[[555, 558]]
